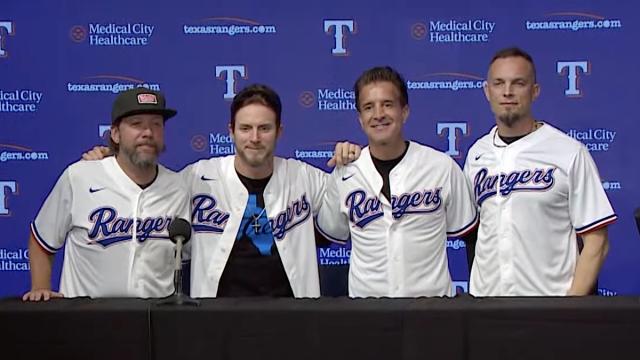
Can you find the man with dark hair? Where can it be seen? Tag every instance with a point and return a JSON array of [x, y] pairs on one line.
[[398, 202], [252, 213], [113, 214], [536, 189], [382, 74]]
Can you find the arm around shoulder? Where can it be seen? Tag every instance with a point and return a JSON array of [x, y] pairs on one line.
[[331, 221]]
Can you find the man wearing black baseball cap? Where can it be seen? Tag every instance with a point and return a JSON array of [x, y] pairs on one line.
[[137, 132], [113, 214]]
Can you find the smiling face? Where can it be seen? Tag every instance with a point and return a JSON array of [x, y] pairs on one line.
[[254, 134], [382, 114], [140, 139], [511, 89]]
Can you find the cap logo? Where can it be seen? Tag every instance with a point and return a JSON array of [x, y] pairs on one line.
[[147, 99]]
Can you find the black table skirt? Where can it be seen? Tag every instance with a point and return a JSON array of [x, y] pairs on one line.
[[327, 328]]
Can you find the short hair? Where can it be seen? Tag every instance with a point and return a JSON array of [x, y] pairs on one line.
[[378, 74], [514, 52], [256, 94]]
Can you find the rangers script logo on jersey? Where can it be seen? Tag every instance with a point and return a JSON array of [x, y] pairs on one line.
[[205, 216], [296, 213], [363, 210], [484, 185], [109, 229]]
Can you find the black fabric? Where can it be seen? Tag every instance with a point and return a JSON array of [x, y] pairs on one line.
[[78, 328], [384, 168], [511, 139], [470, 239], [249, 272], [144, 186], [280, 328]]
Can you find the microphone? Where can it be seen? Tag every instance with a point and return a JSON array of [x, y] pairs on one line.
[[179, 233], [637, 216]]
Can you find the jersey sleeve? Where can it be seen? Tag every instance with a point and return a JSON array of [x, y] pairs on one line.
[[467, 173], [53, 221], [331, 221], [184, 212], [187, 175], [589, 207], [461, 212], [317, 181]]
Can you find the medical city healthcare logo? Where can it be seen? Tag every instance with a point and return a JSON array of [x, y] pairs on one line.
[[20, 100], [597, 139], [113, 34], [454, 31], [328, 99], [216, 144], [14, 259]]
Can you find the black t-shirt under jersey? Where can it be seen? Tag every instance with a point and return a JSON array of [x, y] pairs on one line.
[[254, 267], [384, 168]]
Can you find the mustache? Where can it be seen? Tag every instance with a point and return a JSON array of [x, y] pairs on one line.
[[148, 143]]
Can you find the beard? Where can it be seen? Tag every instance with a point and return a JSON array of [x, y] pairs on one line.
[[142, 160], [256, 159], [510, 118]]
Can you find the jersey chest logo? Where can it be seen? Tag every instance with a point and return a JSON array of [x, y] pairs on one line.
[[109, 229], [363, 210], [296, 213], [486, 186], [206, 216]]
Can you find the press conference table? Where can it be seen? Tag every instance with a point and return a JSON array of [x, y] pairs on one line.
[[326, 328]]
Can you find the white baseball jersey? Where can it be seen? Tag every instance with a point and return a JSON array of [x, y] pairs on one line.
[[218, 200], [117, 241], [399, 247], [534, 195]]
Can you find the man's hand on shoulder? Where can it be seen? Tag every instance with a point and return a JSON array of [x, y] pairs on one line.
[[344, 153], [97, 153]]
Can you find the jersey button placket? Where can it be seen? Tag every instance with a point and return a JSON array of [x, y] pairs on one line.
[[392, 248], [398, 257], [135, 247], [507, 228], [502, 219]]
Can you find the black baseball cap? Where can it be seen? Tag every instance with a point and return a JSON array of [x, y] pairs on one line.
[[140, 101]]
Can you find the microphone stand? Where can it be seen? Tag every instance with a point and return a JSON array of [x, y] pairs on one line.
[[178, 297]]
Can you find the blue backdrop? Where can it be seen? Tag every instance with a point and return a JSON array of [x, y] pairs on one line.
[[62, 64]]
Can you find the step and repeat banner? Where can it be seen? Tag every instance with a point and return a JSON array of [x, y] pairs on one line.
[[62, 64]]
